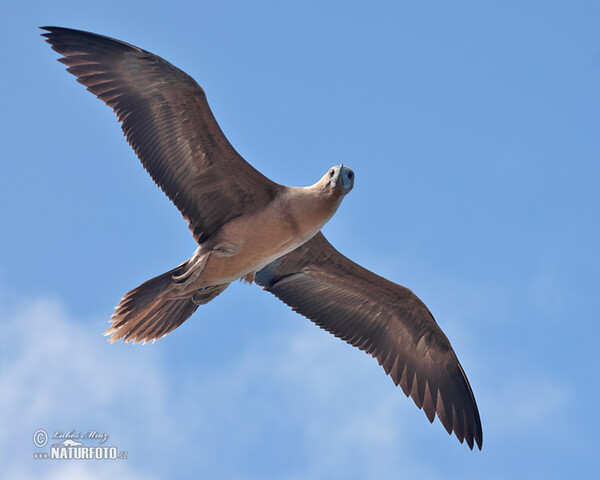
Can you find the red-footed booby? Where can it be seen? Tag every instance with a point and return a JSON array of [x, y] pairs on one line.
[[249, 227]]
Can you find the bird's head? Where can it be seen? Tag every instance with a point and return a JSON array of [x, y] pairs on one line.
[[340, 178]]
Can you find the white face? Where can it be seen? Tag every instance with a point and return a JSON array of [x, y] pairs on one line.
[[341, 177]]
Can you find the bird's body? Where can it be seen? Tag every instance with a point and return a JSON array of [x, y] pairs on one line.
[[249, 227], [247, 244]]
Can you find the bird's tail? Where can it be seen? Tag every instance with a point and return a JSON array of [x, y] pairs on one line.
[[156, 308]]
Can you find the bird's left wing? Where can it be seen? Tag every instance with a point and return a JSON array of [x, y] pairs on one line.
[[385, 320], [166, 119]]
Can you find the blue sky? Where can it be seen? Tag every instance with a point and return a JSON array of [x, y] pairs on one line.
[[472, 128]]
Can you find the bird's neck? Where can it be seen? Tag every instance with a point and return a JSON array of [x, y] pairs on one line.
[[312, 207]]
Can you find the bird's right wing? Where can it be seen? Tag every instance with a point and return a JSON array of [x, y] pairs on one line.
[[166, 119], [385, 320]]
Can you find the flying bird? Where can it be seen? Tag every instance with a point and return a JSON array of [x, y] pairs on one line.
[[251, 228]]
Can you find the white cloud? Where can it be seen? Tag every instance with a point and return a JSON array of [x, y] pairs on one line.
[[297, 404], [75, 471], [58, 374], [343, 416]]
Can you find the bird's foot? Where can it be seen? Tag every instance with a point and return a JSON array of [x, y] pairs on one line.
[[192, 272]]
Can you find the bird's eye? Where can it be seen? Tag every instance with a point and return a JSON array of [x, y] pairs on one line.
[[350, 175], [331, 173]]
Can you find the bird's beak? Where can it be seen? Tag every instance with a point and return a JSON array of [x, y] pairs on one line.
[[339, 177], [337, 180]]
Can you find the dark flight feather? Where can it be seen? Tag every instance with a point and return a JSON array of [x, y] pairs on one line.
[[384, 319], [167, 121]]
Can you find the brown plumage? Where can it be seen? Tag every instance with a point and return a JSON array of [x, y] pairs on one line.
[[249, 227], [385, 320]]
